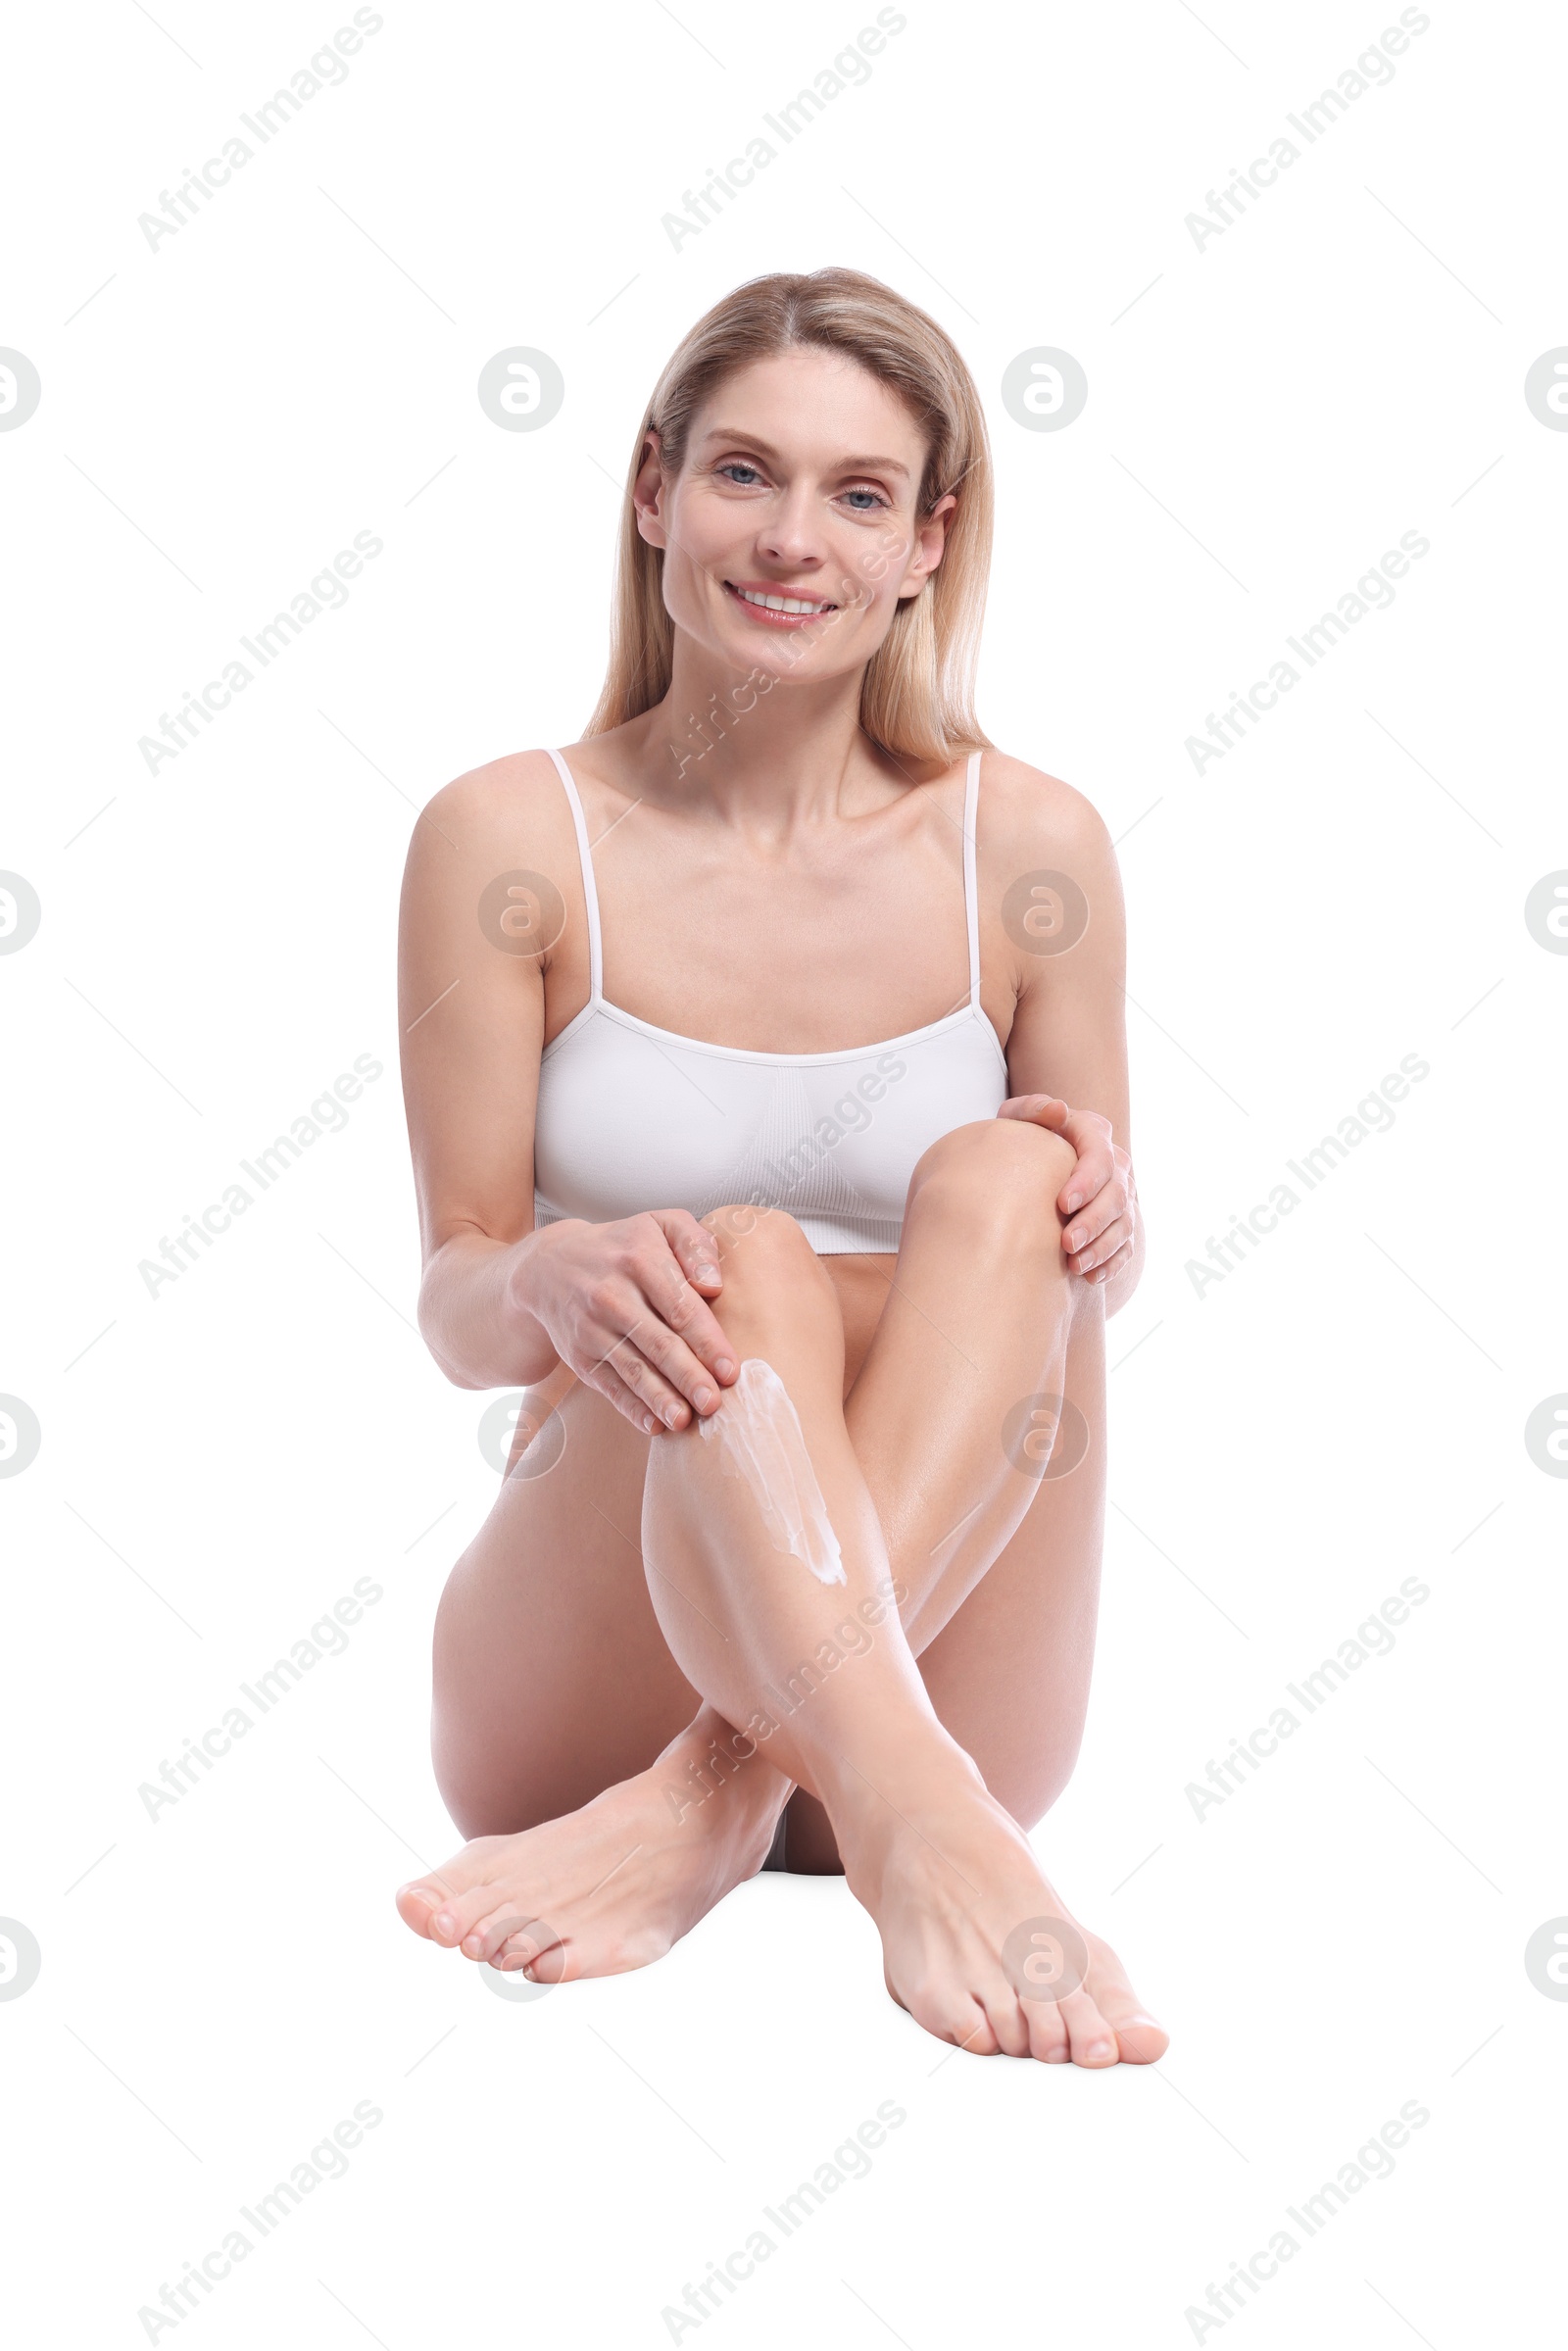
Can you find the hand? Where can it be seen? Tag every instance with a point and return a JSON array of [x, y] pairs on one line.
[[624, 1308], [1099, 1197]]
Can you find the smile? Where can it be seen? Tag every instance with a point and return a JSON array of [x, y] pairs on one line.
[[776, 610]]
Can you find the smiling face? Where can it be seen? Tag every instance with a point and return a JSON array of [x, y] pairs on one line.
[[790, 533]]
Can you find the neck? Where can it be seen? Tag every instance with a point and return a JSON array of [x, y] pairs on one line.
[[760, 747]]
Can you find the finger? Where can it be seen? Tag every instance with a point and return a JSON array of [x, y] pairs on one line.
[[693, 1246], [1106, 1208], [1097, 1164], [1113, 1265], [685, 1337], [1104, 1246], [635, 1358], [605, 1379], [1093, 1138], [1038, 1109], [693, 1322], [685, 1383]]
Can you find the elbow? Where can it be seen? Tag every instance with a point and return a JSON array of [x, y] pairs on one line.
[[430, 1331]]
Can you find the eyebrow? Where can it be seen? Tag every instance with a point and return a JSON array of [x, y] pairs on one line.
[[852, 464]]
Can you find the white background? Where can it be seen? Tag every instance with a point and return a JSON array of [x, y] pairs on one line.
[[218, 1463]]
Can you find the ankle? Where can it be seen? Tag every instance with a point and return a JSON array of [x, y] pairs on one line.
[[710, 1760], [872, 1793]]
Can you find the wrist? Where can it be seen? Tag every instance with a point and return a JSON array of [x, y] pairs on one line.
[[522, 1297], [520, 1275]]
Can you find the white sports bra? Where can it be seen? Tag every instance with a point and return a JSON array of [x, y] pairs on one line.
[[633, 1117]]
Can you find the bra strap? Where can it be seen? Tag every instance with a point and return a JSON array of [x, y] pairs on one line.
[[589, 890], [971, 889]]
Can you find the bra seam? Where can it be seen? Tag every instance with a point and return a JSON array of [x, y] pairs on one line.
[[765, 1060]]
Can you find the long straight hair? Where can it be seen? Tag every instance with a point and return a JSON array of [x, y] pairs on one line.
[[918, 694]]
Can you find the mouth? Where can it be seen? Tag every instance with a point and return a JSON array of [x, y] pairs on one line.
[[775, 608]]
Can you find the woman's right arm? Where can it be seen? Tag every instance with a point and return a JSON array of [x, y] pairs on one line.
[[500, 1304]]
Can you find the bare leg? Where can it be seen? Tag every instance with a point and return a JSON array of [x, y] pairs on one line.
[[945, 1871], [1003, 1570], [568, 1745], [553, 1680]]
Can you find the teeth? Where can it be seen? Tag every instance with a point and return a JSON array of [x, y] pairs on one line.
[[779, 603]]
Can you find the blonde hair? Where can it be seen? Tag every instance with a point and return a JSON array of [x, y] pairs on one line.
[[916, 698]]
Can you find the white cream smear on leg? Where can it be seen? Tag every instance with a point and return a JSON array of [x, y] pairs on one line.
[[760, 1439]]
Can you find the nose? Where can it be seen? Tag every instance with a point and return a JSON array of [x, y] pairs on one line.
[[792, 536]]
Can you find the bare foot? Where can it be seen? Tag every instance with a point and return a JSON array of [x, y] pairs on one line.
[[976, 1945], [610, 1887]]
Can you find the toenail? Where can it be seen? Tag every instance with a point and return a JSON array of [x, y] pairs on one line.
[[445, 1921], [1098, 2049]]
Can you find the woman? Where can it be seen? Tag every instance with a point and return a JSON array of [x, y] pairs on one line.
[[735, 1044]]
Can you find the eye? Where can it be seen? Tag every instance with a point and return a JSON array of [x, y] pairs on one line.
[[738, 466], [875, 496]]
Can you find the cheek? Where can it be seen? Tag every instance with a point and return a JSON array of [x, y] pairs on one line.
[[696, 562]]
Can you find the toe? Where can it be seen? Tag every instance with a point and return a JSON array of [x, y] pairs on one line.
[[1141, 2040], [457, 1914], [1048, 2034], [538, 1949], [487, 1935], [953, 2017], [512, 1933], [1004, 2013], [417, 1903], [1091, 2040], [969, 2028], [424, 1900]]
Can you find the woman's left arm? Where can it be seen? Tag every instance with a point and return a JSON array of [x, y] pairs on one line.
[[1066, 947]]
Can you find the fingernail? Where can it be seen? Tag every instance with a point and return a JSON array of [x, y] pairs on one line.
[[671, 1416], [725, 1368], [708, 1273], [1075, 1241], [703, 1398]]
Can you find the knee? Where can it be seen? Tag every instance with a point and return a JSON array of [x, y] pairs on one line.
[[996, 1170], [762, 1249], [1028, 1787]]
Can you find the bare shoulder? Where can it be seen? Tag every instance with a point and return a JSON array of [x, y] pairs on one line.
[[513, 798], [1033, 820], [1023, 803]]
